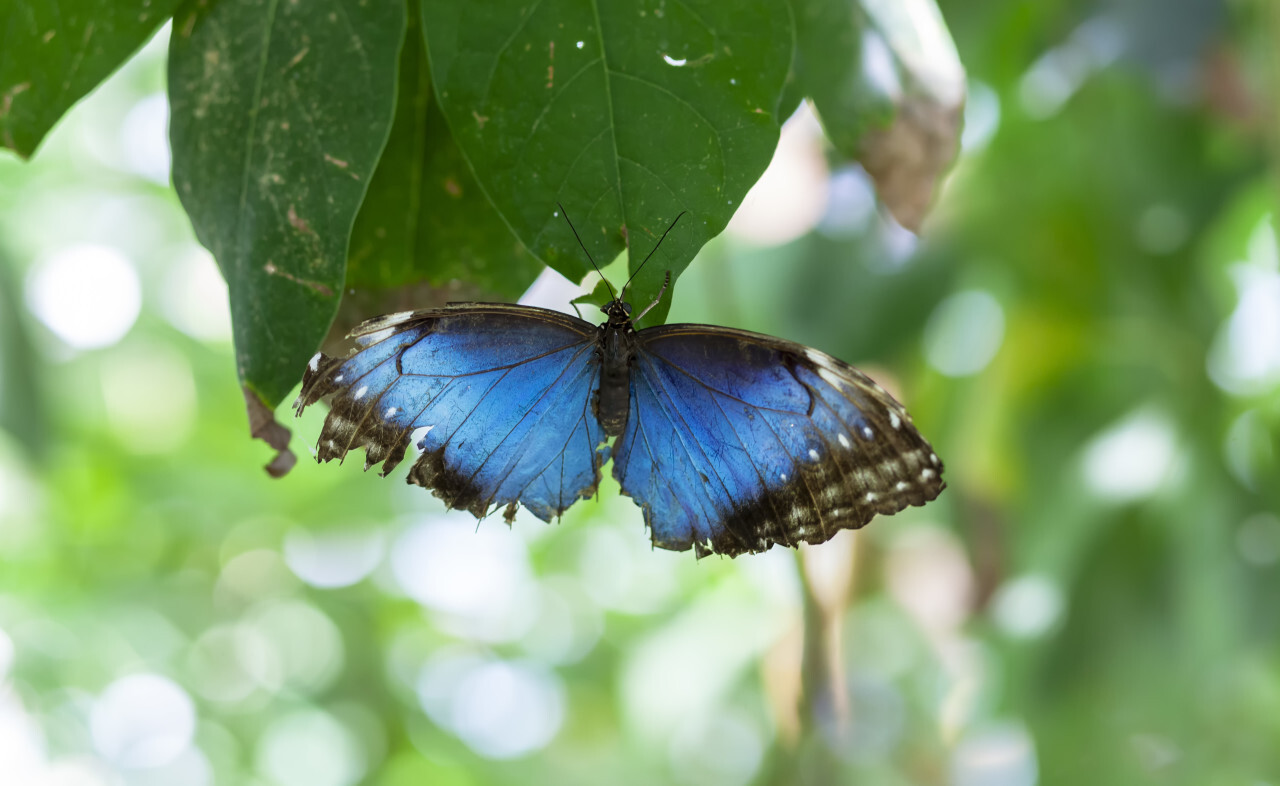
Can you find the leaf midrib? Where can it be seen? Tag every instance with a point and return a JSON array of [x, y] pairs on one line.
[[613, 123]]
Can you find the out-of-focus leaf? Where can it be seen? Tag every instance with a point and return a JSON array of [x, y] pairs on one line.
[[627, 113], [279, 113], [889, 88], [908, 158], [830, 70], [425, 217], [53, 52], [21, 405]]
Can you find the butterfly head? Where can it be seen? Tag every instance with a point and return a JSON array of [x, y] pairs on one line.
[[619, 312]]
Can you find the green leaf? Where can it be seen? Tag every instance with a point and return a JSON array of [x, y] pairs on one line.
[[626, 112], [53, 52], [279, 114], [425, 217]]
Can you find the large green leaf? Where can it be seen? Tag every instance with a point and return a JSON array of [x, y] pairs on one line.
[[279, 113], [626, 112], [53, 52], [425, 217]]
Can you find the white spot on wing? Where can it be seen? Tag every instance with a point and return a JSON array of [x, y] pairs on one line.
[[391, 411], [925, 474], [397, 318], [826, 368], [375, 337], [902, 485], [844, 442], [338, 378], [314, 363], [933, 458], [360, 393], [813, 454], [830, 377], [782, 476], [871, 496], [894, 420], [867, 432]]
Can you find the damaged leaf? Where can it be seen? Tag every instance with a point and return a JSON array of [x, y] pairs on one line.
[[279, 113], [889, 89]]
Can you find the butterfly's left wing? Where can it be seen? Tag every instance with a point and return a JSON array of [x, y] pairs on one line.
[[736, 441], [505, 395]]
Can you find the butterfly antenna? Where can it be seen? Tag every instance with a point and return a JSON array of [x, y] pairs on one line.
[[654, 251], [612, 296], [665, 283]]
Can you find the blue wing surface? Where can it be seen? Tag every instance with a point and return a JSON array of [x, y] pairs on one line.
[[504, 394], [736, 441]]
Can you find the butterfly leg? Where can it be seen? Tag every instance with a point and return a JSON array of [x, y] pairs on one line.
[[665, 283]]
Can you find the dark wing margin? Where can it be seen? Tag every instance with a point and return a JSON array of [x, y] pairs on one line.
[[500, 394], [737, 441]]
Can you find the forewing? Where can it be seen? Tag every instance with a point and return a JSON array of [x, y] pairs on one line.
[[504, 394], [736, 441]]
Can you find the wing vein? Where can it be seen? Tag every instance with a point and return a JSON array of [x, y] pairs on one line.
[[685, 445]]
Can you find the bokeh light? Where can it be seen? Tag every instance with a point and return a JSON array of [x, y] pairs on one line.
[[1000, 755], [1028, 606], [1245, 356], [144, 138], [194, 296], [333, 559], [88, 295], [143, 721], [1132, 458], [309, 747], [1085, 329], [964, 333], [476, 580], [791, 196], [500, 709]]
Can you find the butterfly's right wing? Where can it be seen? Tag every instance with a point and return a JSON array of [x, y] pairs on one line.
[[505, 394], [736, 441]]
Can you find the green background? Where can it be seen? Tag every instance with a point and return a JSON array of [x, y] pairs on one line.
[[1087, 331]]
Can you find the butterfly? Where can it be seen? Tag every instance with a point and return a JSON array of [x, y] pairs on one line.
[[730, 441]]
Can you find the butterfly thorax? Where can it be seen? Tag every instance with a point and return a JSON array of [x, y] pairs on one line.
[[616, 347]]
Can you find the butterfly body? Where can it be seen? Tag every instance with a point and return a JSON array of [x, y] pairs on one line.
[[729, 441], [617, 348]]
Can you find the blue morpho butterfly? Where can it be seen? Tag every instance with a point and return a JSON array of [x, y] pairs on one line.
[[730, 441]]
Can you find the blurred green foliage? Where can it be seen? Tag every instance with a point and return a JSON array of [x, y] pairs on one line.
[[1088, 331]]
